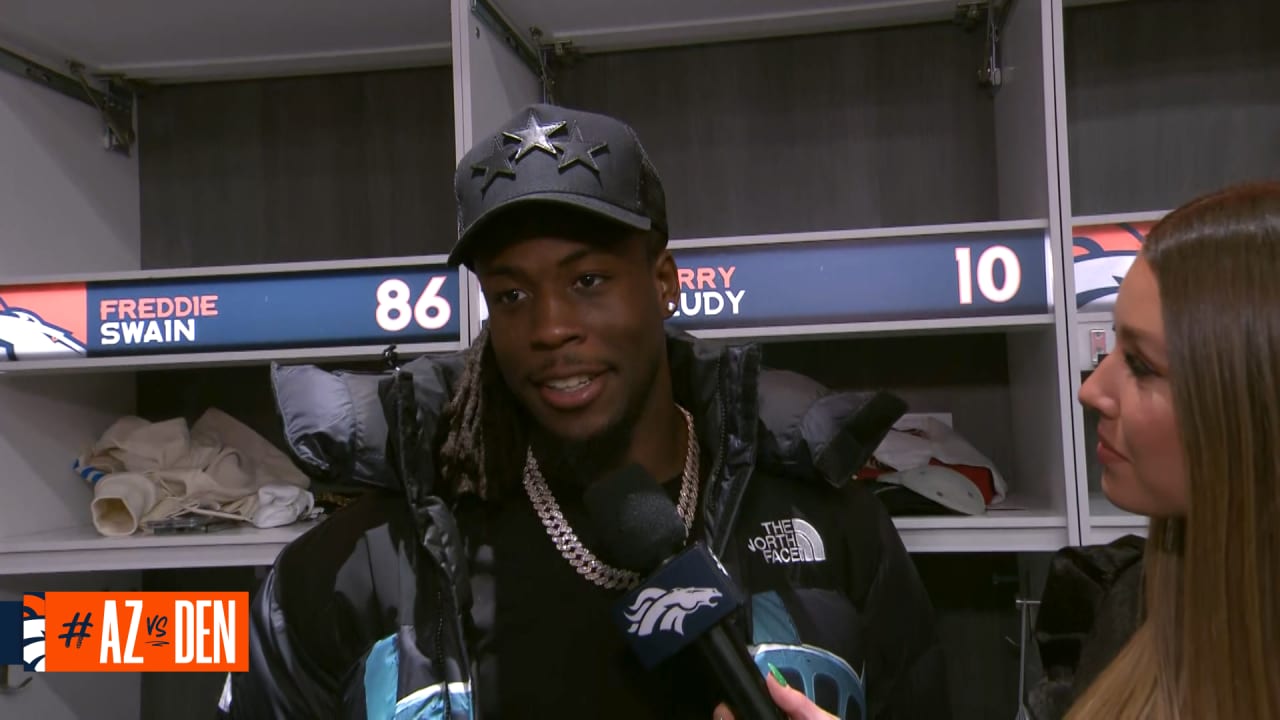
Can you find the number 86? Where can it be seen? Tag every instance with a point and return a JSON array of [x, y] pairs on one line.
[[431, 311]]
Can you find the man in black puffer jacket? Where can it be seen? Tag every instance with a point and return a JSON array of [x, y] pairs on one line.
[[464, 594]]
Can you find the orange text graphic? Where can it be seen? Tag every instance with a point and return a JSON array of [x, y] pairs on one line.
[[708, 291], [146, 631], [157, 308]]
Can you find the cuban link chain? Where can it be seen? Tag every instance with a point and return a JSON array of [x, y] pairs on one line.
[[566, 540]]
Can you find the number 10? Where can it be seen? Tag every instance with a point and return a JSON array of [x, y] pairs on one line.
[[986, 274]]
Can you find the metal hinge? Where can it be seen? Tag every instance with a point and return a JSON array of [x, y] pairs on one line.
[[528, 50], [6, 686], [115, 104], [990, 14]]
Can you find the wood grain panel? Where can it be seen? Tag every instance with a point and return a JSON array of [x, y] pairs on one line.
[[312, 168], [863, 129]]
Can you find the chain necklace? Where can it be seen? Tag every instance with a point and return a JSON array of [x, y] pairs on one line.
[[566, 540]]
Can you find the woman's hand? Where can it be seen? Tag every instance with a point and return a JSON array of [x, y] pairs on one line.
[[791, 701]]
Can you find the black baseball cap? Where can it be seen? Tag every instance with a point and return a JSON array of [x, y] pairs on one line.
[[557, 156]]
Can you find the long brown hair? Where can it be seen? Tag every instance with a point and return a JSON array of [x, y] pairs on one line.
[[1209, 640]]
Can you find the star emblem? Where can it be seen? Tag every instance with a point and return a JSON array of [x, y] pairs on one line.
[[578, 150], [534, 135], [497, 163]]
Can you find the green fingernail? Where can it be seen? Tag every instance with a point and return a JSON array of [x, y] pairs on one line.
[[777, 675]]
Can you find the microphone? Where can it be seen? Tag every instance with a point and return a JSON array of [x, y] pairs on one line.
[[686, 597]]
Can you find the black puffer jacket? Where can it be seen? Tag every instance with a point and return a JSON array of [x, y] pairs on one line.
[[1089, 609], [365, 615]]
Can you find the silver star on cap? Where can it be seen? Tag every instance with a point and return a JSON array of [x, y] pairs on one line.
[[534, 135]]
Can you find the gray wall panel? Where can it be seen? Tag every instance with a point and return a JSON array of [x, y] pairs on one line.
[[865, 129], [1168, 99], [282, 170]]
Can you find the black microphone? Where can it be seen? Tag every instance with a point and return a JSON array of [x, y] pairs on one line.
[[685, 599]]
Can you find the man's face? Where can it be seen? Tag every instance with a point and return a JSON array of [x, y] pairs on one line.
[[577, 331]]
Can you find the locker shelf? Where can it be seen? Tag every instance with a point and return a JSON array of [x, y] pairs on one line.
[[82, 548], [79, 549], [1103, 513], [1138, 216], [1108, 522], [1018, 524], [1018, 531], [216, 359]]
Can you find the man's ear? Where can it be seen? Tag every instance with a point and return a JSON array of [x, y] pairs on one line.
[[666, 277]]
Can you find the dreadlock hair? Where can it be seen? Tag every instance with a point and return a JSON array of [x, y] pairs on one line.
[[482, 451]]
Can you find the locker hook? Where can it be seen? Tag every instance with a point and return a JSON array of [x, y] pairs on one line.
[[5, 687]]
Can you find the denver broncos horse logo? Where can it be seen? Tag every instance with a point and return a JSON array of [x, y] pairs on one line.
[[1103, 254], [33, 632], [25, 336], [667, 609]]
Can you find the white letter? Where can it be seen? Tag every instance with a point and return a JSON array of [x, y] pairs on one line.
[[735, 297], [110, 335], [963, 276], [184, 330], [224, 623], [202, 631], [183, 616], [110, 633], [136, 607], [132, 332], [719, 302]]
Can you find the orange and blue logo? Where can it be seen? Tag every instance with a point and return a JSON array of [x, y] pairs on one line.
[[1103, 254], [43, 321], [126, 632]]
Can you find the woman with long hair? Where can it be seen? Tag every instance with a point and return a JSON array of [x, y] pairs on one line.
[[1189, 430]]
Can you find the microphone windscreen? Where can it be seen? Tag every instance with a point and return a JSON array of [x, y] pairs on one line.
[[637, 526]]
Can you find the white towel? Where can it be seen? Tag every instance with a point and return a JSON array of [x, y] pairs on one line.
[[144, 470]]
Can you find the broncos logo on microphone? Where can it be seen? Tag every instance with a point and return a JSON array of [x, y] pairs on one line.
[[24, 335], [1103, 254], [667, 609]]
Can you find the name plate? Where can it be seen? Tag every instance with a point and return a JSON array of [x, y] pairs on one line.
[[925, 277], [273, 309]]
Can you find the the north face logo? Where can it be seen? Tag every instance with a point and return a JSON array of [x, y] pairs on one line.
[[789, 541], [655, 608]]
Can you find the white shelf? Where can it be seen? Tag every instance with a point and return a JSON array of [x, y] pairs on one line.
[[82, 548], [126, 363], [1022, 530], [1103, 514], [1108, 522], [877, 329], [1095, 316], [1137, 216]]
